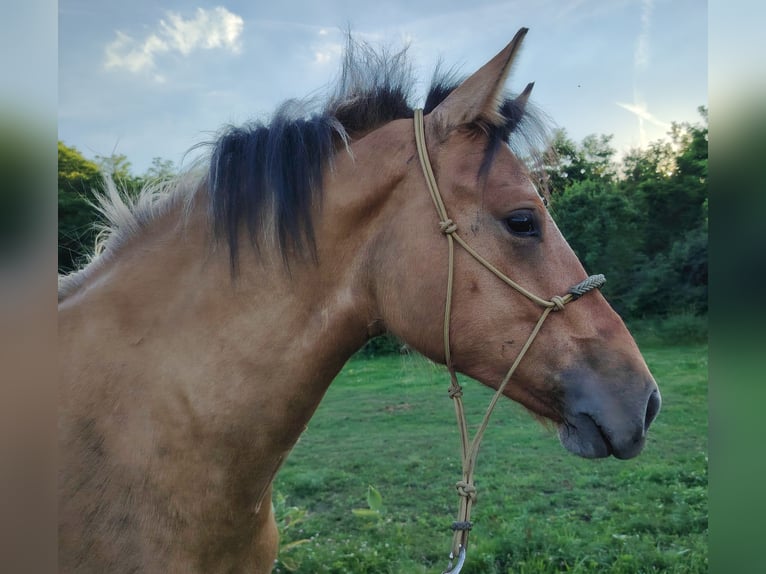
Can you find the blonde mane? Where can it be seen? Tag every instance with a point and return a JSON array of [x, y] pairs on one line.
[[123, 216]]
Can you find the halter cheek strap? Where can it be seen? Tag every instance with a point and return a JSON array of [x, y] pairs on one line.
[[466, 488]]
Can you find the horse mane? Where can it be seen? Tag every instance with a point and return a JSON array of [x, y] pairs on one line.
[[267, 176]]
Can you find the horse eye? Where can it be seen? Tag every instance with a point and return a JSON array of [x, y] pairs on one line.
[[522, 222]]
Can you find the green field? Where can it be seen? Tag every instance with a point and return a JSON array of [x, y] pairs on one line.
[[388, 422]]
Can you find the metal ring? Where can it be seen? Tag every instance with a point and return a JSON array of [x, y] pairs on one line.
[[460, 560]]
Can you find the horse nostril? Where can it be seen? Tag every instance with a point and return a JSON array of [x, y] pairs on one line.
[[652, 408]]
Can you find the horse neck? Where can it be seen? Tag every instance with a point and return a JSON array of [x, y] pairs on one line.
[[166, 320]]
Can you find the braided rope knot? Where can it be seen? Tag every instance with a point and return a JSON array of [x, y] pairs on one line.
[[448, 227], [455, 391], [558, 302], [592, 282], [466, 490]]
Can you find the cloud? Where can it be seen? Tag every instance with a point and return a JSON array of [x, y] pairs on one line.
[[327, 52], [207, 30]]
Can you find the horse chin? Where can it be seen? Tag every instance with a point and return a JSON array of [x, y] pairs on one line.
[[583, 436]]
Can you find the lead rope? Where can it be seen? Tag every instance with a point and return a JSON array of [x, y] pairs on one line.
[[470, 448]]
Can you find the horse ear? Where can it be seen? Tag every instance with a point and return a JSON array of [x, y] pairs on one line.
[[480, 96], [522, 99]]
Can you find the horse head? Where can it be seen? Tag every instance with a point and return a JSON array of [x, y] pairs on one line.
[[583, 371]]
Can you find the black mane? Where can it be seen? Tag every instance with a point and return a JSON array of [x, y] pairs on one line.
[[268, 176]]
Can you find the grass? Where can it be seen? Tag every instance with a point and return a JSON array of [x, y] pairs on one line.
[[387, 422]]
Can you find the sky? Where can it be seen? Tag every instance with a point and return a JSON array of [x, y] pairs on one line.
[[153, 78]]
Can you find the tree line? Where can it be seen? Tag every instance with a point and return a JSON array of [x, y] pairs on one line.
[[641, 219]]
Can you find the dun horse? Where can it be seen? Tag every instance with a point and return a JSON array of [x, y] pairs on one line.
[[196, 346]]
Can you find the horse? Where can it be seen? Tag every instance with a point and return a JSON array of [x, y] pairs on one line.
[[198, 342]]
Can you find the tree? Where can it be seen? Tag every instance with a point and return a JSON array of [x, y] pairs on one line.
[[601, 225], [78, 180], [570, 162], [644, 225], [668, 180], [668, 183], [160, 170]]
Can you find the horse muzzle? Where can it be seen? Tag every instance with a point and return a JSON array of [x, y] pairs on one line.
[[613, 422]]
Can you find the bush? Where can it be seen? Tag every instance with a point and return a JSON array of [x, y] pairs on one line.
[[685, 327]]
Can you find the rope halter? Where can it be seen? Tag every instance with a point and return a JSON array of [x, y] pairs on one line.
[[466, 488]]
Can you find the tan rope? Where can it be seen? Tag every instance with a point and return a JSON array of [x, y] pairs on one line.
[[470, 448]]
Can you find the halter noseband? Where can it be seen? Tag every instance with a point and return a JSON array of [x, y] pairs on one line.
[[470, 449]]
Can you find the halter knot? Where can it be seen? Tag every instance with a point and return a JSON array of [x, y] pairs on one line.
[[448, 227], [455, 391], [466, 490], [592, 282], [558, 302]]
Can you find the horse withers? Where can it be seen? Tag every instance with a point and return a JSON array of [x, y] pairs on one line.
[[198, 343]]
